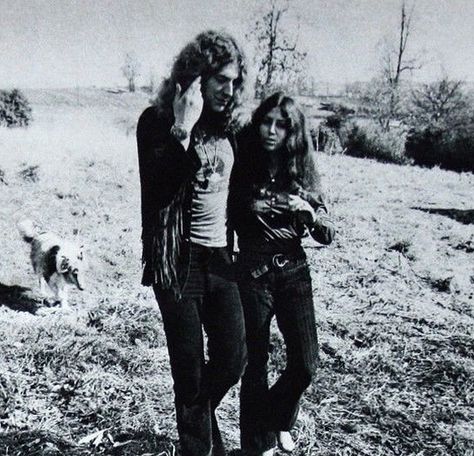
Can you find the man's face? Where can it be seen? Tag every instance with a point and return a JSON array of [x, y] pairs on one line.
[[219, 88]]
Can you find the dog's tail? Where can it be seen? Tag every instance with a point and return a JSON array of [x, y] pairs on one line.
[[27, 229]]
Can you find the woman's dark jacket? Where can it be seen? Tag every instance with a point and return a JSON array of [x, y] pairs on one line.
[[166, 174], [252, 181]]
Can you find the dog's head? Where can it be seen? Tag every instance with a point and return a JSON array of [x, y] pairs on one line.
[[70, 263]]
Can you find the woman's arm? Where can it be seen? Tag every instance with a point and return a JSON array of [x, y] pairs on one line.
[[310, 210], [315, 216], [322, 228]]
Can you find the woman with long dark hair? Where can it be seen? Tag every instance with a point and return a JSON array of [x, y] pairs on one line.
[[276, 200]]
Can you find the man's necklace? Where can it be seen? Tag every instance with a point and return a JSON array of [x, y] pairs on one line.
[[210, 172]]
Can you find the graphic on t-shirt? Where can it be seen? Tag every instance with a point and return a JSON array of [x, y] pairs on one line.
[[211, 190], [216, 158], [212, 179]]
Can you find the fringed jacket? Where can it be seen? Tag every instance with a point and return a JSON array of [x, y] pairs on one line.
[[167, 171]]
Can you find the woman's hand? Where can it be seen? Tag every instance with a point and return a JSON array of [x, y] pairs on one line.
[[264, 206], [187, 106], [298, 204], [261, 206]]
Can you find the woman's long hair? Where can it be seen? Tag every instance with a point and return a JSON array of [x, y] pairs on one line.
[[204, 56], [299, 156]]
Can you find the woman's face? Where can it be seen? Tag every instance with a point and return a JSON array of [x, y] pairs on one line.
[[273, 130]]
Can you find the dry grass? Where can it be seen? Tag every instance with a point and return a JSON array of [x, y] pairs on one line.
[[393, 297]]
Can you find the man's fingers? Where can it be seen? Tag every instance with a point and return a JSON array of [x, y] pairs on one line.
[[195, 85], [177, 94]]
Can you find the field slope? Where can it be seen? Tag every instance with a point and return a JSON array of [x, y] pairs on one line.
[[393, 295]]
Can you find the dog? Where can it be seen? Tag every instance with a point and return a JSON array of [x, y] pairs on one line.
[[58, 263]]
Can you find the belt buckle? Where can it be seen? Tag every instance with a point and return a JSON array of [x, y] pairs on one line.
[[279, 260]]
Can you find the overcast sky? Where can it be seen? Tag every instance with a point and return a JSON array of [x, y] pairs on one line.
[[68, 43]]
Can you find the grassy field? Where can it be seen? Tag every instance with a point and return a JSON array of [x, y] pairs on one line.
[[393, 295]]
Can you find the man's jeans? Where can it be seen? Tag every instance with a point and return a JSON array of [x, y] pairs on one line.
[[286, 293], [210, 300]]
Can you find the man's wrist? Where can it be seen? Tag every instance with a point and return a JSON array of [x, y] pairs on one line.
[[179, 132]]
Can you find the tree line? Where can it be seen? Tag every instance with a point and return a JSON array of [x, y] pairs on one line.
[[389, 118]]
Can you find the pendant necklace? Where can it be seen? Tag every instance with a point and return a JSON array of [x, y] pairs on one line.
[[210, 173]]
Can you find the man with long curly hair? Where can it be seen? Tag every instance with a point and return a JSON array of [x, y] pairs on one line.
[[186, 154]]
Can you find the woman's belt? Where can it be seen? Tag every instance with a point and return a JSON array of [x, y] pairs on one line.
[[273, 261]]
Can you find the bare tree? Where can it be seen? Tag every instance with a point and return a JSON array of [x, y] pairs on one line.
[[131, 70], [384, 98], [394, 58], [278, 59]]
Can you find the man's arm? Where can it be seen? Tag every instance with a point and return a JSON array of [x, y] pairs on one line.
[[166, 159], [164, 163]]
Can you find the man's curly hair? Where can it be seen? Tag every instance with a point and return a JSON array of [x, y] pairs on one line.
[[204, 56]]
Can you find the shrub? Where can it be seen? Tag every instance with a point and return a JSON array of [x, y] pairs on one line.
[[437, 146], [371, 141], [341, 113], [327, 135], [15, 110], [326, 139], [442, 126]]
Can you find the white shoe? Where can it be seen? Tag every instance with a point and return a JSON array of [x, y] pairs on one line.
[[285, 441], [269, 452]]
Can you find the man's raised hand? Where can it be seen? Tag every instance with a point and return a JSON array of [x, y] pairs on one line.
[[187, 106]]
